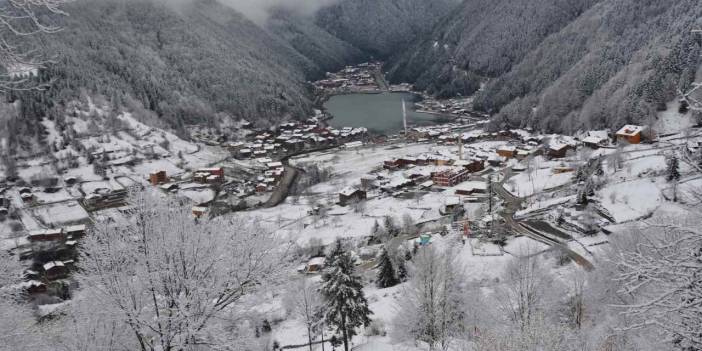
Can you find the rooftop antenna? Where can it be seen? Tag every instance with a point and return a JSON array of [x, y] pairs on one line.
[[404, 117]]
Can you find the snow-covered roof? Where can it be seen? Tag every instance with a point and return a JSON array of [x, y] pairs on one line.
[[316, 261], [452, 201], [348, 191], [630, 130], [52, 264], [594, 139]]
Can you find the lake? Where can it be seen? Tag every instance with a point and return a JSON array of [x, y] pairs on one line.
[[380, 113]]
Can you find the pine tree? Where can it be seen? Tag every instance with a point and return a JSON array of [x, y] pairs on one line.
[[673, 168], [386, 272], [346, 305], [390, 227], [582, 196], [331, 257]]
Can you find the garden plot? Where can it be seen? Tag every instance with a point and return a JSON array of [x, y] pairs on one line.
[[628, 201], [523, 185]]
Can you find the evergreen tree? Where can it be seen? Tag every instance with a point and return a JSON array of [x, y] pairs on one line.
[[581, 198], [346, 305], [390, 227], [598, 167], [386, 271], [331, 257], [673, 168]]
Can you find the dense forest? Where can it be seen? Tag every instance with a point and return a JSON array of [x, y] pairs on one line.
[[561, 65]]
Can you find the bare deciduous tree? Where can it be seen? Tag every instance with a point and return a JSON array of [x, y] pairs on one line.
[[169, 277], [432, 308], [658, 269], [21, 18]]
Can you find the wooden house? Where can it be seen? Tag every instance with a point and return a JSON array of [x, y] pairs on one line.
[[558, 150], [507, 151], [350, 195], [631, 134], [55, 270], [158, 177]]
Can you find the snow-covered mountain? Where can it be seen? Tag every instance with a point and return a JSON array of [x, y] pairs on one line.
[[573, 63]]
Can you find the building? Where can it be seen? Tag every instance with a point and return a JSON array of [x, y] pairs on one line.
[[350, 195], [507, 151], [209, 175], [46, 235], [631, 134], [596, 139], [473, 165], [55, 269], [558, 150], [199, 211], [314, 265], [471, 188], [450, 177], [158, 177], [75, 231]]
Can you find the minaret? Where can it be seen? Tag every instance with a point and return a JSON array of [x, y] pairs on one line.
[[404, 117]]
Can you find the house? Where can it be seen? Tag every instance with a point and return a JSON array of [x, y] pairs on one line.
[[199, 211], [471, 188], [27, 197], [261, 188], [558, 150], [630, 133], [209, 175], [507, 151], [55, 269], [596, 139], [75, 231], [450, 177], [473, 165], [452, 204], [244, 153], [158, 177], [350, 195], [170, 187], [46, 235], [314, 265]]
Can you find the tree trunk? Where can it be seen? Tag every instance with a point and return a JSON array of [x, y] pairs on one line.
[[309, 336], [344, 333]]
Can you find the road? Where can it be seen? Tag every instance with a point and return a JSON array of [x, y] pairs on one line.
[[538, 230]]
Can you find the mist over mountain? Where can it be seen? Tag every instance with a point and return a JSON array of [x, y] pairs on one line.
[[383, 27]]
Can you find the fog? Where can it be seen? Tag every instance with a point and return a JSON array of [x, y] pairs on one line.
[[257, 10]]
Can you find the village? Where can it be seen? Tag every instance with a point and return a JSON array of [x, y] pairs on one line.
[[491, 194]]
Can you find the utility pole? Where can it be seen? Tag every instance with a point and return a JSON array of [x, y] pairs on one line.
[[490, 194]]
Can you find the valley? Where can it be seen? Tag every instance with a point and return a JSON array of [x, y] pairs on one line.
[[361, 174]]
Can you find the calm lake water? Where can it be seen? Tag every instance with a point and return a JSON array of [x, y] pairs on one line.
[[380, 113]]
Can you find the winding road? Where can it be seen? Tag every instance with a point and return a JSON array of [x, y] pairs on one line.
[[538, 230]]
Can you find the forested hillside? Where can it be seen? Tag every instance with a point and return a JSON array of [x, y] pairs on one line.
[[561, 65], [383, 27], [186, 64], [325, 50]]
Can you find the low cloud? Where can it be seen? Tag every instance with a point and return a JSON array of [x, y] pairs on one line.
[[258, 10]]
